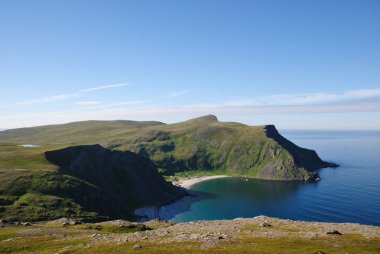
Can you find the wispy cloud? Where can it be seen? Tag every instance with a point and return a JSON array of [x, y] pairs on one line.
[[91, 89], [111, 105], [181, 92], [364, 100], [306, 98], [67, 96], [47, 99], [88, 102]]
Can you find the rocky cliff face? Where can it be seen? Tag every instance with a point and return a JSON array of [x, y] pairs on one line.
[[236, 149], [122, 180], [302, 157], [90, 183]]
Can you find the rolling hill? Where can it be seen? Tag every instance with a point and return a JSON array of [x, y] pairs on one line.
[[203, 145]]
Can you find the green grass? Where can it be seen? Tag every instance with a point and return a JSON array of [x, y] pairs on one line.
[[75, 239], [87, 132], [12, 156], [348, 244], [40, 244], [109, 228]]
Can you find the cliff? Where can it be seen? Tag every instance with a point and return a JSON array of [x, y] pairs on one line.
[[90, 183]]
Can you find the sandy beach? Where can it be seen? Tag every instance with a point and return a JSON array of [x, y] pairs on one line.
[[187, 183]]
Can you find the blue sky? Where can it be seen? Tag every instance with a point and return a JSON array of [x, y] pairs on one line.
[[296, 64]]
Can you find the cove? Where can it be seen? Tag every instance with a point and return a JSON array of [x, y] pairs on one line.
[[350, 193]]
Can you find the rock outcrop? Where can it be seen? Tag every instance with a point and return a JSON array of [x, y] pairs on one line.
[[123, 180], [91, 183]]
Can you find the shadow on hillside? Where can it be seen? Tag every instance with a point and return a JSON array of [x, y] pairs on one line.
[[169, 211]]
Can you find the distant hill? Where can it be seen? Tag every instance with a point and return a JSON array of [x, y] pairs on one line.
[[199, 146], [86, 132]]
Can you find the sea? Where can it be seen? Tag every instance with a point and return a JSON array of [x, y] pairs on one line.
[[349, 193]]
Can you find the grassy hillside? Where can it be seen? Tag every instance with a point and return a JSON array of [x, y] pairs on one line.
[[76, 133], [200, 145], [87, 183]]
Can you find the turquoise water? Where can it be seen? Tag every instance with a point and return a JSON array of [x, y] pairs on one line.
[[349, 193]]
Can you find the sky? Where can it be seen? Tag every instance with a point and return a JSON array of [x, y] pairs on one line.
[[312, 65]]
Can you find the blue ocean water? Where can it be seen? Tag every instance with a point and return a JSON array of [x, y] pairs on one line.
[[349, 193]]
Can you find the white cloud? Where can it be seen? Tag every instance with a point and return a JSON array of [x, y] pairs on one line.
[[306, 98], [180, 93], [67, 96], [88, 102], [104, 87], [126, 103], [47, 99]]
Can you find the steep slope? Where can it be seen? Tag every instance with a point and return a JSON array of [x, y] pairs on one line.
[[229, 148], [201, 145], [91, 183]]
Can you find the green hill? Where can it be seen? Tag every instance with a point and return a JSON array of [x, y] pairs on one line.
[[89, 183], [198, 146], [85, 132]]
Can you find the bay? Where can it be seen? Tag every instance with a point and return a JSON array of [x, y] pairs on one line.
[[349, 193]]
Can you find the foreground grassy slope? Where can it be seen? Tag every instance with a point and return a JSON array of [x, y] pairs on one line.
[[88, 183], [200, 145], [228, 236]]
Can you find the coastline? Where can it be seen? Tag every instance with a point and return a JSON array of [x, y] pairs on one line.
[[188, 182], [168, 211]]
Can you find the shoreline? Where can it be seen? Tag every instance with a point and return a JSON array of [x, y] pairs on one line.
[[167, 211], [188, 182]]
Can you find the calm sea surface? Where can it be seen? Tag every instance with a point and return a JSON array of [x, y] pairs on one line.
[[349, 193]]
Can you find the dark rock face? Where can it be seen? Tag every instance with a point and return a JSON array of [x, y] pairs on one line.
[[121, 181], [303, 157], [334, 232]]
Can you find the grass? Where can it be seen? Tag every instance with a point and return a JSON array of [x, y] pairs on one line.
[[12, 156], [77, 239], [348, 244], [244, 236], [109, 228], [87, 132], [40, 244]]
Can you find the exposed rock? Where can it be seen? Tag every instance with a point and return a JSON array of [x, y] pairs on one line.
[[221, 237], [265, 224], [333, 232], [137, 246], [123, 181]]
